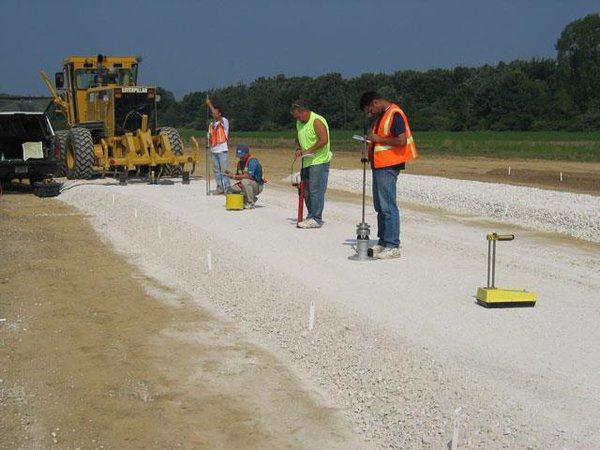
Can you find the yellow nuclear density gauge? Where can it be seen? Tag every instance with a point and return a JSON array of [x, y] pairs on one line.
[[234, 202], [493, 297]]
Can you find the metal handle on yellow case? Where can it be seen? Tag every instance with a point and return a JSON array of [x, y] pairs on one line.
[[491, 268], [500, 237]]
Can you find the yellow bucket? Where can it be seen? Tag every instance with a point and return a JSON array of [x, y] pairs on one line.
[[234, 202]]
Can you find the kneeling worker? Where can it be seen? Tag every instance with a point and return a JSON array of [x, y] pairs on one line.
[[249, 176]]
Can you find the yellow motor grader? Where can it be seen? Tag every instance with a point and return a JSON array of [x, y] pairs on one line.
[[112, 121]]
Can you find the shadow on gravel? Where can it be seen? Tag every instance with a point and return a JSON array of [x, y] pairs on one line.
[[15, 188]]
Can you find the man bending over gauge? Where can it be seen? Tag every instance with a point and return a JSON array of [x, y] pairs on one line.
[[249, 176]]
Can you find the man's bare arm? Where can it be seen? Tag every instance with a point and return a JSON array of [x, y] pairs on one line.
[[395, 141], [239, 176], [212, 108], [321, 134]]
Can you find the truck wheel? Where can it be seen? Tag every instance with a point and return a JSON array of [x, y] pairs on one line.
[[61, 169], [79, 154], [173, 170]]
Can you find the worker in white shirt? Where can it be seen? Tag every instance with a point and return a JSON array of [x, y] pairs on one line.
[[218, 135]]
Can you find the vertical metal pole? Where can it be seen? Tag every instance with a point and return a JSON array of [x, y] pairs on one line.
[[494, 265], [362, 229], [207, 148], [364, 180], [489, 263], [207, 168]]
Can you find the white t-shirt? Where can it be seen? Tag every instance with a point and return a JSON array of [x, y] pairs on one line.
[[222, 147]]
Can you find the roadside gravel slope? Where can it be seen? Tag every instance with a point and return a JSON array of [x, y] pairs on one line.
[[576, 215]]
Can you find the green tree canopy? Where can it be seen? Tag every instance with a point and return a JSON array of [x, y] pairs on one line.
[[579, 59], [539, 94]]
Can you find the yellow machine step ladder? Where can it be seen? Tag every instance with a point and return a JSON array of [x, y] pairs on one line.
[[493, 297]]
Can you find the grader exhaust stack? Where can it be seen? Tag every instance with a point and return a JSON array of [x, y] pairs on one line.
[[112, 121]]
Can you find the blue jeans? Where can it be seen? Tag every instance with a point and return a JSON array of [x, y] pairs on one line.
[[384, 200], [315, 184], [220, 166]]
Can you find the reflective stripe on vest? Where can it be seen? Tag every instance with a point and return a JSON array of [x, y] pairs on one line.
[[245, 168], [388, 155], [217, 134], [241, 170]]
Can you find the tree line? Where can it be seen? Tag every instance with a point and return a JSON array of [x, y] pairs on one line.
[[537, 94]]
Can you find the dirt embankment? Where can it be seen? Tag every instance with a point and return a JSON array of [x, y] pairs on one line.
[[579, 177], [96, 355]]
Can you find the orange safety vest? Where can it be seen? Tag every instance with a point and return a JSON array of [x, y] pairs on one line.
[[385, 155], [217, 134], [244, 169]]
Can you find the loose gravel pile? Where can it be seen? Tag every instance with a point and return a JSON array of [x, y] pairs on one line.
[[398, 393], [576, 215]]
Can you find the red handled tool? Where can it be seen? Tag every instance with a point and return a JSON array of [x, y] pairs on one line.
[[299, 183], [300, 186]]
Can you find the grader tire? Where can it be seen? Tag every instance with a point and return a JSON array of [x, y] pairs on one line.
[[61, 168], [173, 170], [41, 189], [79, 157]]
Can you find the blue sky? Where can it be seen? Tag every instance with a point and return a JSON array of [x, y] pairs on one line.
[[195, 45]]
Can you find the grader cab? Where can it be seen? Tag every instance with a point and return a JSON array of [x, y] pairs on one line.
[[112, 121]]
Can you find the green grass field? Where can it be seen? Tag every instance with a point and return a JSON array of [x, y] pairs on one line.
[[553, 145]]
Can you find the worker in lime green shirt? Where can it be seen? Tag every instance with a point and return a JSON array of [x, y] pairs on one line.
[[314, 148]]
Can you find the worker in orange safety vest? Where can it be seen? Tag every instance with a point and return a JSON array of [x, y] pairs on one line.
[[218, 137], [391, 146]]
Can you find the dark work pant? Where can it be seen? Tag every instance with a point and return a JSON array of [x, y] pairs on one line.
[[384, 201], [315, 184]]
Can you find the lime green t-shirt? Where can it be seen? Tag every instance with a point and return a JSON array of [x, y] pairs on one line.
[[307, 137]]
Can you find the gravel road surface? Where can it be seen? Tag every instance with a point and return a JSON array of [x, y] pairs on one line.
[[399, 345]]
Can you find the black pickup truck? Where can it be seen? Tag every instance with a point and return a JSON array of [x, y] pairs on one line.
[[28, 147]]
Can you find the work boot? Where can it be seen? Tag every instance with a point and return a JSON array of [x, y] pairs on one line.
[[389, 253], [376, 250], [309, 223]]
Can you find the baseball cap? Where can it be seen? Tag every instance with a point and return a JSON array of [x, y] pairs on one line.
[[242, 150]]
